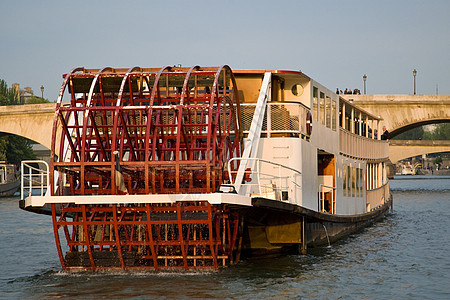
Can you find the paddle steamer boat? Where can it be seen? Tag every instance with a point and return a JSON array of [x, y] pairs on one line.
[[194, 168]]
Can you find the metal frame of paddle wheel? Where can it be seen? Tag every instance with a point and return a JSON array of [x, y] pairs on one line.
[[145, 131]]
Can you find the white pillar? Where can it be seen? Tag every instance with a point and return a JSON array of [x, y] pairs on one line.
[[352, 124]]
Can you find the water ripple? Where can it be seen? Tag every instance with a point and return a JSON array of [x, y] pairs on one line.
[[404, 256]]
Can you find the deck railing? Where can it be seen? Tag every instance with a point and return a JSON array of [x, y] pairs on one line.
[[269, 179], [377, 197], [286, 118], [361, 147], [323, 189], [35, 178]]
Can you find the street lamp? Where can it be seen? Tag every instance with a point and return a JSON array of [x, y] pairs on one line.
[[42, 91], [414, 74], [365, 78]]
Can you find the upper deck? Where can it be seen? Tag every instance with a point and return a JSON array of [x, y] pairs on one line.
[[337, 125]]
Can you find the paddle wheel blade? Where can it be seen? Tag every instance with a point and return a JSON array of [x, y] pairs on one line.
[[186, 236]]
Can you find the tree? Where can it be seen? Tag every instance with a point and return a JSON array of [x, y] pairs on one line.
[[13, 148], [17, 149], [3, 148], [442, 132], [36, 100], [413, 134], [8, 96]]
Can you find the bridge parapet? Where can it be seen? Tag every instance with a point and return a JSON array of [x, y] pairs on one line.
[[360, 99], [403, 112], [445, 143], [401, 149]]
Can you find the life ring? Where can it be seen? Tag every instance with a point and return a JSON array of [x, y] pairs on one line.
[[308, 123]]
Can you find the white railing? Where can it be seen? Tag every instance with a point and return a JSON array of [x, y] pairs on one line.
[[377, 197], [268, 179], [361, 147], [34, 178], [323, 189], [287, 118]]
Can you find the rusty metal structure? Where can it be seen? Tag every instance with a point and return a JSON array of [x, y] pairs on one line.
[[145, 131]]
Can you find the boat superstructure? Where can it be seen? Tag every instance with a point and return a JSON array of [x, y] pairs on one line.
[[188, 168]]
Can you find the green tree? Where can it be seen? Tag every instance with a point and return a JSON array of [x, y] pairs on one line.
[[17, 149], [36, 100], [13, 148], [413, 134], [8, 96], [3, 148], [427, 135], [442, 132]]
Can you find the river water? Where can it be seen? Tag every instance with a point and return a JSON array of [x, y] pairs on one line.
[[404, 256]]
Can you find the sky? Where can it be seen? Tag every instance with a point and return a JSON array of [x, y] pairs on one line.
[[334, 42]]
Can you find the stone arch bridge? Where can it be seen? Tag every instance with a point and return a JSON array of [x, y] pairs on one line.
[[404, 112], [399, 149], [33, 121], [399, 112]]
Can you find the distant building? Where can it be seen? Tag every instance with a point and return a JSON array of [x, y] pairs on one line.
[[24, 94], [429, 127]]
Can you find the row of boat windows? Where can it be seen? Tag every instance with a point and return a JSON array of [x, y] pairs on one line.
[[352, 181], [324, 109]]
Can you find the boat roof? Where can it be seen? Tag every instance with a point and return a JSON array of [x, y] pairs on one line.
[[262, 71]]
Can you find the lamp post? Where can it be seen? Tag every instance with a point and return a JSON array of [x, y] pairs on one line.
[[365, 78], [42, 91], [414, 74]]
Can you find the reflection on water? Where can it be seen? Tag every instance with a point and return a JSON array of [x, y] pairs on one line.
[[405, 255]]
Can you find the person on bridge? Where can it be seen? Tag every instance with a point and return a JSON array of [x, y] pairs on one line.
[[385, 135]]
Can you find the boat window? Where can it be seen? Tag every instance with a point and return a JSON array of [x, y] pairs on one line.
[[328, 110], [315, 103], [348, 118], [322, 108], [367, 177], [363, 126], [361, 180], [375, 176], [333, 115], [357, 123], [344, 180], [353, 182], [358, 180], [349, 181], [297, 90]]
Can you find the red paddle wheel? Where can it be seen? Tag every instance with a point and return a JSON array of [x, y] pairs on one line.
[[145, 132]]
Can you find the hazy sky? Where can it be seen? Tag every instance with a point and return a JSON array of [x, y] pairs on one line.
[[334, 42]]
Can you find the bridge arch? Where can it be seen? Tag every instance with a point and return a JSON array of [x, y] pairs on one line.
[[32, 121], [396, 131], [399, 149]]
